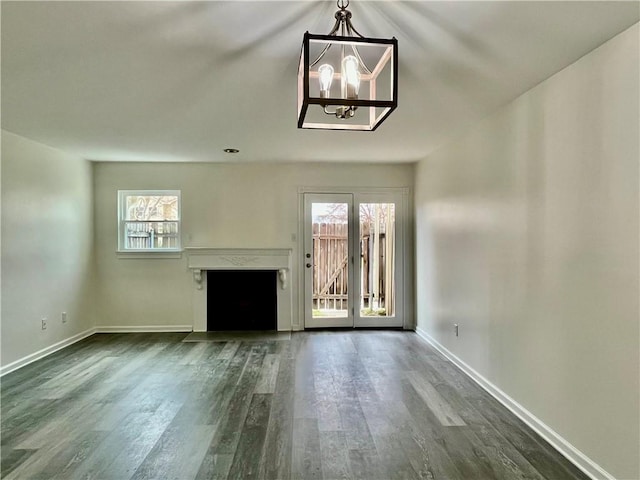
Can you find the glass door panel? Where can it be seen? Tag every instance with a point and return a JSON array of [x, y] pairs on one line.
[[328, 260], [379, 270], [377, 259]]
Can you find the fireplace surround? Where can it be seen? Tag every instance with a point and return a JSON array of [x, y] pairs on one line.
[[202, 259]]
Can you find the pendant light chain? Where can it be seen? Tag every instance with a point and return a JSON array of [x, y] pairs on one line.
[[343, 22]]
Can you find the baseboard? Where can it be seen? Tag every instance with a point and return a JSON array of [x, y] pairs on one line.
[[144, 328], [572, 454], [13, 366]]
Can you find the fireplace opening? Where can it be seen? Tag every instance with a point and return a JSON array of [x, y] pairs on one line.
[[241, 300]]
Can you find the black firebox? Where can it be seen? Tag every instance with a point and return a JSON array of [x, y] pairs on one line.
[[241, 300]]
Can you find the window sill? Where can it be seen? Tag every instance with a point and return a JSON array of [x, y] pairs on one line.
[[147, 254]]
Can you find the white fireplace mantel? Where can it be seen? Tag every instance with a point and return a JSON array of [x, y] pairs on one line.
[[201, 259]]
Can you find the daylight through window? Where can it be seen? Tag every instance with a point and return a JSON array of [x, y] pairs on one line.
[[149, 220]]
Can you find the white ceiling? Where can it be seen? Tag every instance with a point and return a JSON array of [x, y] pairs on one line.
[[181, 81]]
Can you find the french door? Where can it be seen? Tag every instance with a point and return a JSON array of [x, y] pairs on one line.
[[353, 247]]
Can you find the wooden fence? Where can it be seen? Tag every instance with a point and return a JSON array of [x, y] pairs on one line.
[[330, 268], [377, 272]]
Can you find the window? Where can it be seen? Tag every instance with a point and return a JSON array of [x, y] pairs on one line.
[[148, 220]]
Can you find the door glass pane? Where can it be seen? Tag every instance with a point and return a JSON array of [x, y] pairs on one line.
[[377, 259], [330, 259]]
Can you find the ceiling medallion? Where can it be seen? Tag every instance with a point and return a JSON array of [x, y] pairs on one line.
[[346, 81]]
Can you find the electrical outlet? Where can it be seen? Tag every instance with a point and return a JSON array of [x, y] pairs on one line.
[[64, 317], [44, 323], [455, 328]]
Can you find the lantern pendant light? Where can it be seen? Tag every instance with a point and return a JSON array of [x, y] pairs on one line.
[[346, 81]]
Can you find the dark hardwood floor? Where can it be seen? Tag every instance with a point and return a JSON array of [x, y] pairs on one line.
[[325, 405]]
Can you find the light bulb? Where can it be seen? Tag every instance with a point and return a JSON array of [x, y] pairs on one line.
[[350, 77], [325, 73]]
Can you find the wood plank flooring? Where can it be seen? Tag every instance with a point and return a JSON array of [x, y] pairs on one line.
[[322, 405]]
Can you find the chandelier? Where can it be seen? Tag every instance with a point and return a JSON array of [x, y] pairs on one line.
[[346, 81]]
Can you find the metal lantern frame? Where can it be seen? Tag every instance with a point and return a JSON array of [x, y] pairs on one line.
[[373, 119]]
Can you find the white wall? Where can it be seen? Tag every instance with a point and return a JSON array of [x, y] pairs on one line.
[[47, 238], [527, 237], [223, 206]]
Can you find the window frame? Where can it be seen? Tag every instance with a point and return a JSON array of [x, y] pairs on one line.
[[122, 220]]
